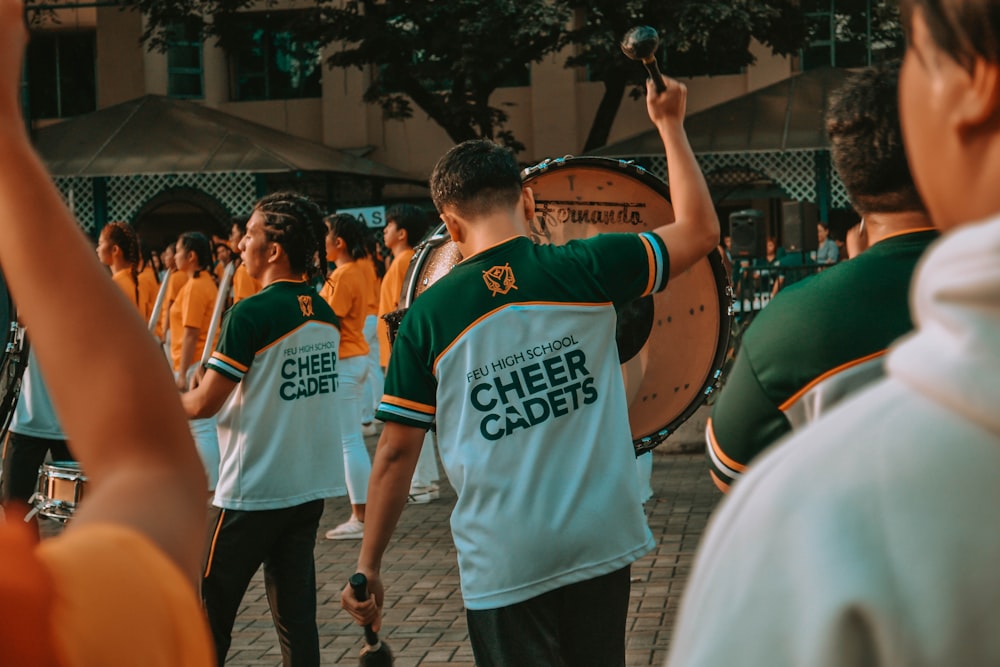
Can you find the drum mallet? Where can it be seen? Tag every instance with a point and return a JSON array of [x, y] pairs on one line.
[[640, 43], [375, 652]]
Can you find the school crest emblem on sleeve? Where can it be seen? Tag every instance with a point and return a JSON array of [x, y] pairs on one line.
[[500, 279], [306, 305]]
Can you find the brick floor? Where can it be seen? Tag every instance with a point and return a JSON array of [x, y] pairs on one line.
[[424, 619]]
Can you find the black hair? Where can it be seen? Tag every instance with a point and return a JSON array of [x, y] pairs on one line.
[[295, 222], [412, 219], [963, 29], [352, 231], [866, 142], [199, 244], [476, 177]]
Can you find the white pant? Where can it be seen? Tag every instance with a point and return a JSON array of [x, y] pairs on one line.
[[206, 437], [644, 468], [358, 466], [375, 382], [426, 472]]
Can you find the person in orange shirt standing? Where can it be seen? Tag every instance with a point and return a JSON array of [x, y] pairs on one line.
[[175, 281], [405, 226], [118, 249], [347, 291], [190, 317]]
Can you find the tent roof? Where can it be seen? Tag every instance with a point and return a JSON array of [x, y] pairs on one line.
[[787, 115], [157, 135]]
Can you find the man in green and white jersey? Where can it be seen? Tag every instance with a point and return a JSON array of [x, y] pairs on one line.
[[513, 356], [825, 337], [273, 381]]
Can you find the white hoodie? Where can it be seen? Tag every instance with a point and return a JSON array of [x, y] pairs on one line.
[[872, 536]]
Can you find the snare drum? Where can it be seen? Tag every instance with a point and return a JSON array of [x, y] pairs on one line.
[[672, 344], [60, 489]]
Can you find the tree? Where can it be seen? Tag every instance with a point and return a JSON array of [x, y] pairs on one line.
[[697, 37], [447, 57]]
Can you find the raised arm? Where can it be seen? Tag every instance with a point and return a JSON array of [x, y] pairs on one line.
[[696, 230], [108, 379]]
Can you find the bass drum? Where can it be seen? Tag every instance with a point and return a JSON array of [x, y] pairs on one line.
[[672, 344], [15, 356]]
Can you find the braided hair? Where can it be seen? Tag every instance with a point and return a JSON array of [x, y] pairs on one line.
[[295, 222], [122, 235], [199, 244]]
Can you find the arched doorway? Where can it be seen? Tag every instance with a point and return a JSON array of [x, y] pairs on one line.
[[177, 210]]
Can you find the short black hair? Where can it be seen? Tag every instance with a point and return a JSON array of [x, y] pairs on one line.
[[475, 177], [411, 219], [866, 142]]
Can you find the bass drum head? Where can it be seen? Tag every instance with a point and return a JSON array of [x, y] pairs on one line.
[[672, 344], [13, 359]]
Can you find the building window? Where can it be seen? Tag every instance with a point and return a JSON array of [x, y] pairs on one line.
[[850, 33], [62, 81], [266, 61], [185, 71]]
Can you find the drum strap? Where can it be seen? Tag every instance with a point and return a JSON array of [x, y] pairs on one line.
[[27, 593]]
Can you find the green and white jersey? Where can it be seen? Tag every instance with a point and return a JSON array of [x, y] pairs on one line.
[[513, 355], [816, 342], [279, 431]]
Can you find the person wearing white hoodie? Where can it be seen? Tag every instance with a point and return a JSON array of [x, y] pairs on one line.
[[868, 538]]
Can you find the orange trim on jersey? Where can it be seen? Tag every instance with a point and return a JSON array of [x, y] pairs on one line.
[[278, 340], [714, 444], [830, 373], [905, 232], [651, 255], [722, 486], [490, 247], [511, 305], [409, 405], [229, 360], [215, 539]]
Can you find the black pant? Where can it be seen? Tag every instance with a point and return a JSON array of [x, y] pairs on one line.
[[24, 456], [283, 540], [579, 625]]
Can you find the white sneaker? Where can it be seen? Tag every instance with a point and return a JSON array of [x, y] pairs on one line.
[[368, 430], [351, 529], [421, 495]]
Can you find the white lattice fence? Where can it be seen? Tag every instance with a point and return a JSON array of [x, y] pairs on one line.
[[127, 194], [792, 171]]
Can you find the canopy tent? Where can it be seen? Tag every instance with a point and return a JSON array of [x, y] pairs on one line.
[[785, 116], [160, 135]]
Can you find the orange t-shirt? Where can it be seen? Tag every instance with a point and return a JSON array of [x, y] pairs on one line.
[[389, 294], [148, 289], [192, 308], [371, 305], [243, 284], [120, 600], [101, 594], [347, 291], [124, 280], [175, 281]]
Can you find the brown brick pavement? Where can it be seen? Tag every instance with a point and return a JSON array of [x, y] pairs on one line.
[[425, 620]]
